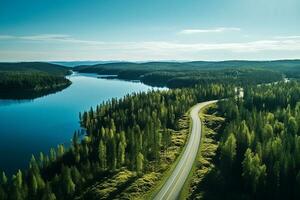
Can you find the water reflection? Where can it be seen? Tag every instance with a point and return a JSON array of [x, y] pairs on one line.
[[7, 102]]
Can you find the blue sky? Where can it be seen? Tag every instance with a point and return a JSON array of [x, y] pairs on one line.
[[138, 30]]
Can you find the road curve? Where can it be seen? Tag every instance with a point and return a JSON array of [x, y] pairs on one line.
[[174, 184]]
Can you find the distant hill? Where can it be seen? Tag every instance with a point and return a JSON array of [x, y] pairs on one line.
[[281, 65], [77, 63], [178, 74], [37, 67]]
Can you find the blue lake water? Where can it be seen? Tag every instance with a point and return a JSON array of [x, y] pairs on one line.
[[30, 127]]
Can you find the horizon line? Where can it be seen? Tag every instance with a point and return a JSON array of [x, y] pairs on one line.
[[148, 61]]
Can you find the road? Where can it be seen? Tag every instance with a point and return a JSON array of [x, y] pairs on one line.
[[172, 187]]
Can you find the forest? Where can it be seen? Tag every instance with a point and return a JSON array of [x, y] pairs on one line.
[[128, 141], [126, 133], [186, 74], [42, 67], [149, 99], [31, 80], [258, 154]]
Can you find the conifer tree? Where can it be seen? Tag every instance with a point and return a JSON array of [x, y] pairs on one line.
[[102, 155], [140, 163]]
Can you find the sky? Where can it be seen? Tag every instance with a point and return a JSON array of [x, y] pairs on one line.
[[144, 30]]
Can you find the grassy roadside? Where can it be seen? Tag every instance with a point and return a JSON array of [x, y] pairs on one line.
[[125, 184], [185, 129], [188, 123], [206, 152]]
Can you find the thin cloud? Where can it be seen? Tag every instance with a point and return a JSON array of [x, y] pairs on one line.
[[6, 37], [171, 47], [44, 37], [164, 47], [288, 37], [215, 30], [50, 38]]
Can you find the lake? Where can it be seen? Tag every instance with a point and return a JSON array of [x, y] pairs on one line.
[[30, 127]]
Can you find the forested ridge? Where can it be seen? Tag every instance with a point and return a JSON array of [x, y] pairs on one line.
[[258, 155], [187, 74], [129, 133], [31, 80], [41, 67], [231, 76]]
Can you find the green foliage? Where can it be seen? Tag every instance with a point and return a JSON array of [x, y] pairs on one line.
[[31, 80], [258, 155], [47, 193], [3, 180], [38, 67], [129, 142], [133, 133], [187, 74], [107, 188], [66, 180], [140, 163], [254, 172], [204, 167], [228, 152], [102, 155]]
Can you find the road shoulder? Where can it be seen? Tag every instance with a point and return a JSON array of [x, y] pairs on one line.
[[206, 152]]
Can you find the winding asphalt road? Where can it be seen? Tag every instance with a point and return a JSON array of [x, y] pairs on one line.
[[175, 182]]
